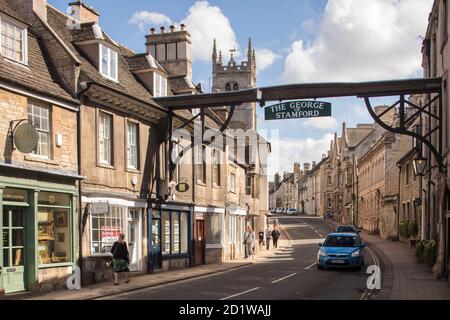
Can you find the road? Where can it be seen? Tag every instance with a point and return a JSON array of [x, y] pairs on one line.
[[289, 275]]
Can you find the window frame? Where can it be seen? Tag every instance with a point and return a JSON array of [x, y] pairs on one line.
[[181, 236], [232, 182], [216, 168], [136, 146], [24, 32], [201, 167], [110, 50], [48, 132], [162, 80], [101, 161]]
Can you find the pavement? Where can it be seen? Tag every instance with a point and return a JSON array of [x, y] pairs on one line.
[[403, 277], [139, 282]]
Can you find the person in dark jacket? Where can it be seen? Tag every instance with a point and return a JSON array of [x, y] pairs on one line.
[[121, 258], [275, 236]]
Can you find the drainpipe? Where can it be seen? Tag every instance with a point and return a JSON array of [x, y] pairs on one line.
[[397, 223]]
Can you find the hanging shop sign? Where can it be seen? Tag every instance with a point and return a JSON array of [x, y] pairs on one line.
[[182, 187], [99, 208], [298, 110], [26, 138]]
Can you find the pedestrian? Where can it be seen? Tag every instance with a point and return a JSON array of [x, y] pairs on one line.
[[268, 237], [249, 239], [275, 237], [261, 238], [121, 258]]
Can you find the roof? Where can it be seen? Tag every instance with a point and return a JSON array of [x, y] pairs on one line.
[[356, 135], [127, 84], [37, 76], [143, 61]]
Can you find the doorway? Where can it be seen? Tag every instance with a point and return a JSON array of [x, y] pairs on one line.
[[156, 243], [13, 264], [200, 241], [134, 239]]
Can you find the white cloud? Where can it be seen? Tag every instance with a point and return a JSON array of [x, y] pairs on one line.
[[206, 22], [326, 123], [265, 58], [287, 151], [146, 18], [362, 40]]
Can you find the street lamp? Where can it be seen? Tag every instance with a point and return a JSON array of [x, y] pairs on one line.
[[420, 164]]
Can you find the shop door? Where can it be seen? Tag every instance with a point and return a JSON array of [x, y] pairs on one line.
[[156, 243], [13, 269], [134, 240], [200, 241]]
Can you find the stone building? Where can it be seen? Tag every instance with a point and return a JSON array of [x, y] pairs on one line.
[[435, 198], [309, 188], [326, 186], [38, 183]]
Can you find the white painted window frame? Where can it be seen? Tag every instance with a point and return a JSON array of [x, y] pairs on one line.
[[24, 31], [111, 53]]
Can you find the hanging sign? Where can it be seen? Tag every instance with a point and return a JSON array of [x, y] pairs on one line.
[[26, 138], [182, 187], [298, 109]]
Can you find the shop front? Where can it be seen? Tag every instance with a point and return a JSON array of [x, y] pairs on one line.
[[107, 219], [37, 221], [235, 222], [171, 227]]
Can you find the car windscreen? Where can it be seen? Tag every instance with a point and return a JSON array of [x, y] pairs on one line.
[[345, 229], [341, 241]]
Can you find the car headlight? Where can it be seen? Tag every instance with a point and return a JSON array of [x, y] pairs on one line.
[[355, 254], [322, 253]]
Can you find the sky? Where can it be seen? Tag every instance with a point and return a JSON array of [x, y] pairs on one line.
[[296, 41]]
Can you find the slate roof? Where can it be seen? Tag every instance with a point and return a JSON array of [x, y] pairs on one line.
[[127, 83], [356, 135], [37, 76]]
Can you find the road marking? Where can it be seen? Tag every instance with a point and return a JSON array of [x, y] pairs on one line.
[[315, 262], [367, 294], [240, 294], [281, 279]]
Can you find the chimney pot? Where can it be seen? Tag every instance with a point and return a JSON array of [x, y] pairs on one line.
[[163, 30], [153, 31], [183, 27], [172, 28]]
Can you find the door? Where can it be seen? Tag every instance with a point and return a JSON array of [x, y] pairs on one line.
[[200, 241], [13, 269], [134, 240], [156, 243]]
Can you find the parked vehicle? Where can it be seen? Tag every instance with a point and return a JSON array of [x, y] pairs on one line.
[[346, 229], [341, 250], [279, 210], [291, 211], [284, 211]]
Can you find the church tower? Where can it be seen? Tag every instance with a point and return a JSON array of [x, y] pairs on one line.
[[232, 77]]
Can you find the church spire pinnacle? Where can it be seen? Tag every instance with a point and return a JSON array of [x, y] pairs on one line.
[[214, 54]]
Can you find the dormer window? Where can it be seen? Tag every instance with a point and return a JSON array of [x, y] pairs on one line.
[[13, 40], [108, 62], [159, 85]]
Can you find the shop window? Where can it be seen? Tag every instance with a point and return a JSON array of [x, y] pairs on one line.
[[13, 40], [106, 228], [213, 228], [54, 222], [174, 232], [39, 117]]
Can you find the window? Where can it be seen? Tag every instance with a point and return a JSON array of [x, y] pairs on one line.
[[232, 182], [329, 203], [39, 116], [54, 220], [407, 175], [107, 227], [231, 86], [13, 41], [108, 62], [216, 167], [329, 180], [249, 185], [174, 232], [201, 164], [159, 85], [132, 145], [105, 138], [213, 228]]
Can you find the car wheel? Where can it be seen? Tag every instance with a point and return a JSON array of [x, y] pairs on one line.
[[319, 267]]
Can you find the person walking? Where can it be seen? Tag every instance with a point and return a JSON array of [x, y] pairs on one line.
[[121, 258], [268, 233], [261, 238], [275, 237], [249, 239]]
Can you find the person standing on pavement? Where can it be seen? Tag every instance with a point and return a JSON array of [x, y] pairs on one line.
[[261, 238], [268, 233], [249, 239], [121, 258], [275, 236]]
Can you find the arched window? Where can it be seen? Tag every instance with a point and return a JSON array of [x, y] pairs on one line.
[[235, 87], [231, 86], [228, 87]]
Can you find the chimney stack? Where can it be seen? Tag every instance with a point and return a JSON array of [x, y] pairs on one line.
[[306, 166], [28, 9], [152, 31], [171, 50], [297, 168], [83, 13]]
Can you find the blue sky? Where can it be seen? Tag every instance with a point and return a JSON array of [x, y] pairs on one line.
[[297, 41]]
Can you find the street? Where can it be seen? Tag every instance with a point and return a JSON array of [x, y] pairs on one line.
[[290, 275]]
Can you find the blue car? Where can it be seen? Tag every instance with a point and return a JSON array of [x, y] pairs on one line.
[[341, 250]]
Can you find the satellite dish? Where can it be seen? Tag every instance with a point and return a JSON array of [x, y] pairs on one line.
[[26, 138]]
